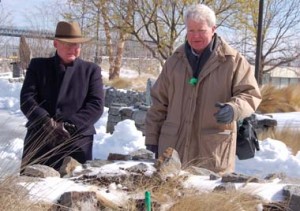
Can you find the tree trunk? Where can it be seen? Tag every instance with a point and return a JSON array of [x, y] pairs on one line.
[[119, 55], [109, 47], [123, 34]]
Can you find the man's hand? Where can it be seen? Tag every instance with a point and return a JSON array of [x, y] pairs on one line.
[[55, 130], [225, 113], [61, 131]]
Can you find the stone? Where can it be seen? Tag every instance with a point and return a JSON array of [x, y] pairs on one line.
[[77, 201], [68, 166], [96, 163], [200, 171], [126, 112], [139, 117], [142, 154], [279, 175], [168, 164], [150, 83], [133, 179], [39, 170], [115, 156], [292, 192], [233, 177], [226, 187], [140, 168]]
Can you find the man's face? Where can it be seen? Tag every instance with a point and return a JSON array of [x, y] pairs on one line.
[[68, 52], [199, 35]]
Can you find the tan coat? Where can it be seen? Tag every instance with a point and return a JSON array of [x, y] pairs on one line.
[[182, 115]]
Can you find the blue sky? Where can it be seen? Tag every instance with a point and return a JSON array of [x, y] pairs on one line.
[[25, 12]]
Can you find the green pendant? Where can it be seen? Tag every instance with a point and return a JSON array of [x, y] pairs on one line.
[[193, 81]]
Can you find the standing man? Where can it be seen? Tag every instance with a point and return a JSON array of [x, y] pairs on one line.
[[62, 98], [203, 89]]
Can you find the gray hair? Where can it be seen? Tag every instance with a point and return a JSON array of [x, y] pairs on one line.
[[200, 12]]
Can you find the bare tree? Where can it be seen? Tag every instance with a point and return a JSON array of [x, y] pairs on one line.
[[5, 16], [280, 34], [5, 21], [123, 10], [24, 53], [42, 17], [159, 25], [82, 11], [111, 15]]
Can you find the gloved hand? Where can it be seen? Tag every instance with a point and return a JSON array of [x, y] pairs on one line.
[[225, 113], [61, 131], [55, 130], [152, 148]]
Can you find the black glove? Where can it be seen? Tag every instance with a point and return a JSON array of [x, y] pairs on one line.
[[55, 130], [71, 128], [61, 131], [152, 148], [225, 113]]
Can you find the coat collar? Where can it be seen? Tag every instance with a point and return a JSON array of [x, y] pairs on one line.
[[60, 66], [217, 58], [222, 51]]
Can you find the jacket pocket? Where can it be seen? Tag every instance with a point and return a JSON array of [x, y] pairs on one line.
[[169, 128], [218, 146], [168, 136]]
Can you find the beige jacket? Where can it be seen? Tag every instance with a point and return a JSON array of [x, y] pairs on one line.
[[182, 115]]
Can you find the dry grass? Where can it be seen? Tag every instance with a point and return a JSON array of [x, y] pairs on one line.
[[275, 100], [172, 196], [14, 197], [217, 201], [137, 84], [289, 136], [118, 83]]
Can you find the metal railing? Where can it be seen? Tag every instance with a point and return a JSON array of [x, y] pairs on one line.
[[18, 32]]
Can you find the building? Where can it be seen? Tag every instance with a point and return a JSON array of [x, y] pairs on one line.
[[282, 76]]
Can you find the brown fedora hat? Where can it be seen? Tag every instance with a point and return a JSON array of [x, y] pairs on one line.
[[69, 32]]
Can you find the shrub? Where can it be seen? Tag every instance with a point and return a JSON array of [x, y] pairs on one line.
[[276, 100]]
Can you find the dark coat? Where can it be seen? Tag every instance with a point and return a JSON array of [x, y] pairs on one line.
[[71, 94]]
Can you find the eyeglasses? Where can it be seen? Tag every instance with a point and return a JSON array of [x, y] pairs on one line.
[[196, 32], [70, 45]]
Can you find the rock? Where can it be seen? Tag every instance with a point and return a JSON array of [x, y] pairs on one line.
[[293, 194], [202, 171], [140, 168], [68, 166], [280, 175], [39, 170], [142, 154], [77, 201], [115, 156], [233, 177], [227, 187], [126, 112], [168, 164], [96, 163]]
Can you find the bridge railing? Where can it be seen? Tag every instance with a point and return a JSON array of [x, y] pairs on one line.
[[18, 32]]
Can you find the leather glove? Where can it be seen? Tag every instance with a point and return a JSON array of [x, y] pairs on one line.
[[152, 148], [225, 113], [55, 130], [61, 131]]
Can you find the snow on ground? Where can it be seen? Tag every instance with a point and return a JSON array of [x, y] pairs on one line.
[[273, 157]]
